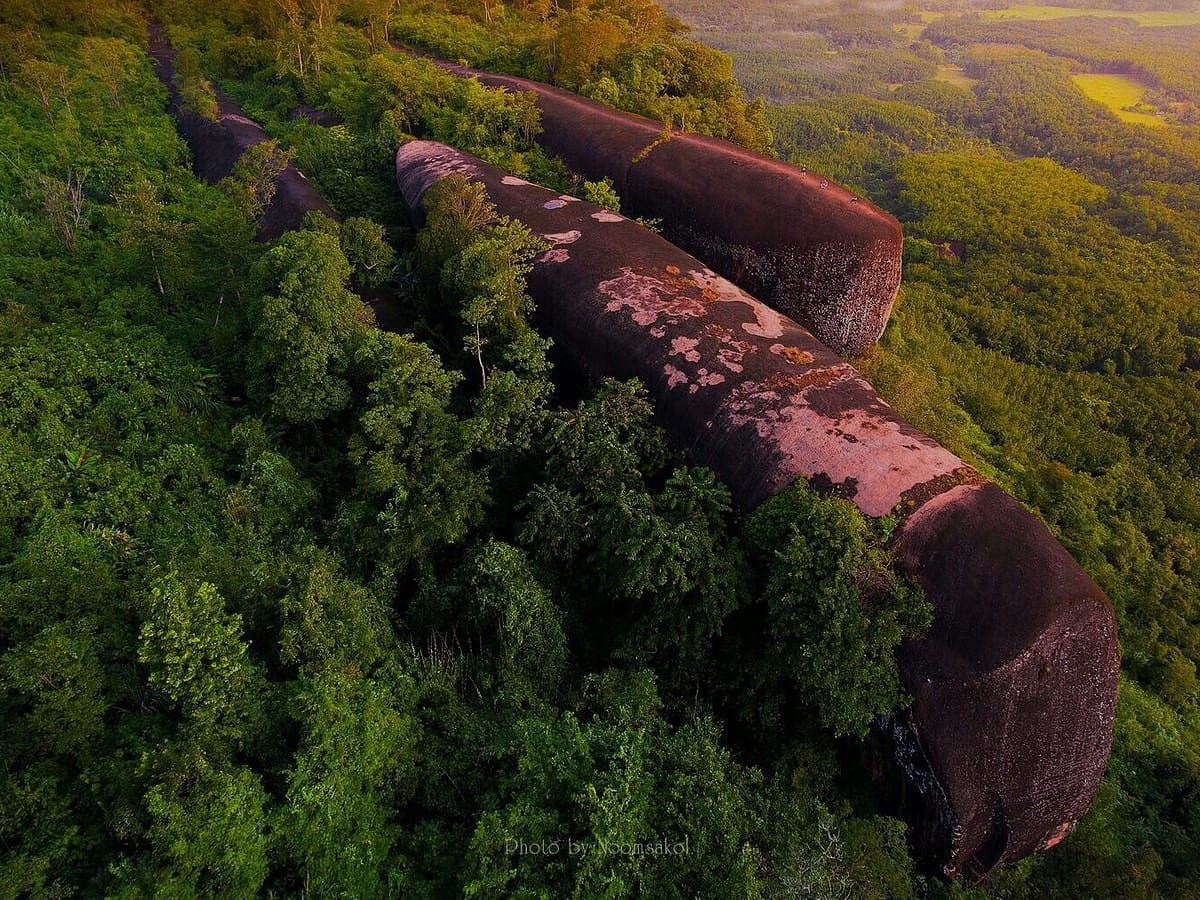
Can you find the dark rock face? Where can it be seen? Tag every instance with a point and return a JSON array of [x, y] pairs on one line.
[[316, 116], [216, 147], [826, 258], [1015, 685]]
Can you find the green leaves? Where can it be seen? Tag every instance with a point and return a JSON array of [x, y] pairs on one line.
[[207, 830], [354, 764], [251, 185], [149, 231], [195, 653], [602, 193], [46, 82], [74, 462], [503, 598], [196, 92], [307, 328], [632, 533], [60, 674], [583, 797], [837, 609], [480, 263], [112, 62], [367, 250], [411, 452]]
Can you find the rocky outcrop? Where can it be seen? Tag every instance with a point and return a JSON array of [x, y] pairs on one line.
[[825, 257], [217, 146], [1014, 686], [316, 116]]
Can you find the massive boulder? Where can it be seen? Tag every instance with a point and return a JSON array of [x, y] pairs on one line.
[[827, 258], [217, 146], [1014, 686]]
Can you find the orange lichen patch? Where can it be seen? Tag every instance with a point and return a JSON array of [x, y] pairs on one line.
[[793, 354], [672, 270], [784, 382], [1058, 834]]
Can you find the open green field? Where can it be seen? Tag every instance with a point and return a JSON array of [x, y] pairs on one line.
[[1142, 17], [1118, 92]]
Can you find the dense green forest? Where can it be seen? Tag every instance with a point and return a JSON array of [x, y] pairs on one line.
[[1047, 330], [290, 604]]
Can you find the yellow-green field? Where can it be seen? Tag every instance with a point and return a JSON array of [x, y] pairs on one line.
[[1146, 17], [1117, 92], [956, 76]]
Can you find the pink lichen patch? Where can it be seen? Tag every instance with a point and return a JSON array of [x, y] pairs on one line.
[[807, 443], [709, 379], [767, 324], [674, 376], [648, 298], [606, 216], [557, 255], [686, 347], [514, 180], [731, 359], [565, 237], [731, 351], [793, 354]]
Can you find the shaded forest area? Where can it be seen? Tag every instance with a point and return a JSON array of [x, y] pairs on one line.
[[292, 604]]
